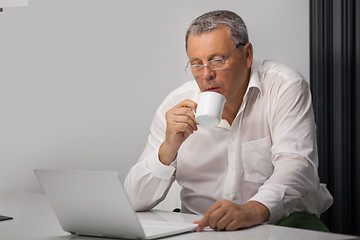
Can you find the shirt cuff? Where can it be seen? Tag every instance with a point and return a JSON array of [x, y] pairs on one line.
[[160, 170], [273, 202]]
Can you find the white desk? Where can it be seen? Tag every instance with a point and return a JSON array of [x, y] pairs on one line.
[[35, 220]]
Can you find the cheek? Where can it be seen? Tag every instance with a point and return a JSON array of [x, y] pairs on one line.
[[233, 82], [199, 82]]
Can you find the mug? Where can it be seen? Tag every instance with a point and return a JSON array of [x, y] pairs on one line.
[[209, 109]]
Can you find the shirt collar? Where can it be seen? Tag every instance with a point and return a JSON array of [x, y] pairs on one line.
[[254, 81]]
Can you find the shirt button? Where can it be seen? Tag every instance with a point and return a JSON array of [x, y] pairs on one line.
[[227, 194]]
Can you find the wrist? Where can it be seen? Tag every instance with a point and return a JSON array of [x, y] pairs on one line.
[[166, 154], [259, 210]]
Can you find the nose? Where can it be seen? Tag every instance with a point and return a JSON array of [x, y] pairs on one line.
[[208, 74]]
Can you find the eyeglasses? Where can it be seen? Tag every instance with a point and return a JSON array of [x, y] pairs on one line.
[[214, 64]]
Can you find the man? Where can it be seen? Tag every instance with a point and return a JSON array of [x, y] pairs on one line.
[[260, 163]]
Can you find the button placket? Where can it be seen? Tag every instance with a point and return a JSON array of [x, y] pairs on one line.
[[229, 187]]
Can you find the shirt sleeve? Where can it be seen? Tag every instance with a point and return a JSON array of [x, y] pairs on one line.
[[149, 180], [294, 185]]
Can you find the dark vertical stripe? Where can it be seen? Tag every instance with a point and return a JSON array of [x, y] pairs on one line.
[[335, 84]]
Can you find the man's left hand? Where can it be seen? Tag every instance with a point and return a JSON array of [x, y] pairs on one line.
[[226, 215]]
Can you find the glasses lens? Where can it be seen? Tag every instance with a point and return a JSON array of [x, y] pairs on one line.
[[196, 69], [216, 64]]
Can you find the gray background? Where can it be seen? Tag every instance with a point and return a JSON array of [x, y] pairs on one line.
[[80, 80]]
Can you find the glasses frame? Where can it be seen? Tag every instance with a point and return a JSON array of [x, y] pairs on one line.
[[188, 66]]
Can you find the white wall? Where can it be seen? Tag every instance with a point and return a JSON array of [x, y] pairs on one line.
[[80, 80]]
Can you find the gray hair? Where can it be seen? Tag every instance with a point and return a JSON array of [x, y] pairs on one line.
[[214, 20]]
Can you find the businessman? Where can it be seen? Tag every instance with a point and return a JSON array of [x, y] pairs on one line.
[[260, 163]]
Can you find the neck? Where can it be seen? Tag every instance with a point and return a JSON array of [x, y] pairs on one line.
[[232, 108]]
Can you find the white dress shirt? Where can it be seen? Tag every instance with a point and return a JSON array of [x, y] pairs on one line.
[[268, 154]]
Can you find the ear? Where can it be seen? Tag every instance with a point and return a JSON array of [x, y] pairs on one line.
[[248, 54]]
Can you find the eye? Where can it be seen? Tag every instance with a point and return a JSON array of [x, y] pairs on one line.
[[195, 62], [217, 60], [216, 63]]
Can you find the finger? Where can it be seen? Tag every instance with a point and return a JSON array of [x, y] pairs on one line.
[[183, 128], [182, 115], [178, 113], [201, 224], [186, 119], [204, 222], [216, 217], [224, 220], [233, 225], [189, 104], [185, 111]]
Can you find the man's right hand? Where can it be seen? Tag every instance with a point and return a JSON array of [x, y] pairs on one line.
[[180, 123]]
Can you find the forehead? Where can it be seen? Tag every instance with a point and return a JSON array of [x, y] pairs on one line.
[[217, 41]]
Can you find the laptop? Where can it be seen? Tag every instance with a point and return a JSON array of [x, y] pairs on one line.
[[94, 203]]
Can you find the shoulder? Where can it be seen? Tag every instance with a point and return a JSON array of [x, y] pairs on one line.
[[277, 78], [279, 71]]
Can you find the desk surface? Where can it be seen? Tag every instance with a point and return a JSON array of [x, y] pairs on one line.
[[34, 219]]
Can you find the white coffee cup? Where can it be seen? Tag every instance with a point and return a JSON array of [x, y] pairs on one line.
[[209, 109]]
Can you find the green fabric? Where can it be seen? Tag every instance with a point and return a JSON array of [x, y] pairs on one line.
[[305, 221], [176, 210]]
